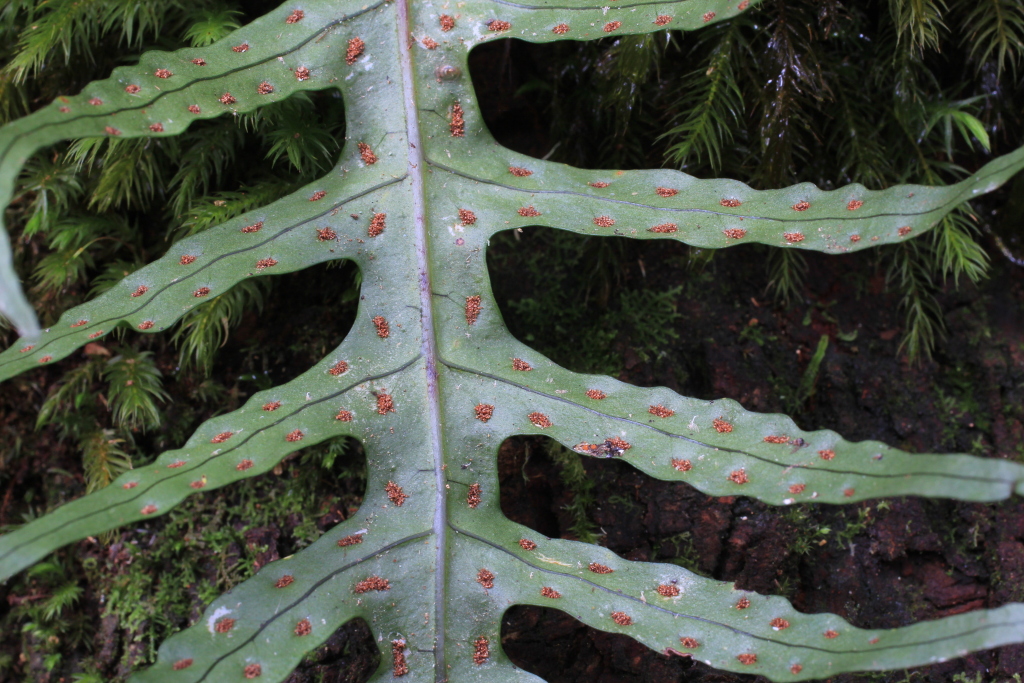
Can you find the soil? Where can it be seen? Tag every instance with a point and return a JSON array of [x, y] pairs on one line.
[[897, 563]]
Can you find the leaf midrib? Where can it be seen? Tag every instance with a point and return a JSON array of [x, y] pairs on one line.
[[428, 343]]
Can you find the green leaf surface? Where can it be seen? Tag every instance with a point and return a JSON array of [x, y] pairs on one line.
[[431, 381]]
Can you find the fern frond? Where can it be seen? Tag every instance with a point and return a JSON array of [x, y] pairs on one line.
[[212, 25], [206, 327], [68, 27], [74, 387], [955, 246], [49, 185], [215, 209], [102, 459], [786, 270], [14, 98], [712, 105], [308, 147], [74, 240], [994, 29], [134, 389], [910, 272], [61, 598], [918, 22], [206, 154], [129, 172]]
